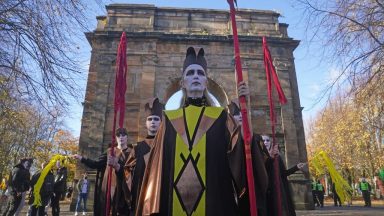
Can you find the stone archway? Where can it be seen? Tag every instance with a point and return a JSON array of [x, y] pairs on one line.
[[157, 40], [173, 94]]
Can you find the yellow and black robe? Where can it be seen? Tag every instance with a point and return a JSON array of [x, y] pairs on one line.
[[189, 171]]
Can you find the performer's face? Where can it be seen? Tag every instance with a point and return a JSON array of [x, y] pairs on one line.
[[238, 118], [152, 124], [267, 142], [122, 141], [194, 80], [26, 164]]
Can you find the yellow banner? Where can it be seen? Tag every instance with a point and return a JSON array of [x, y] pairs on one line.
[[44, 172], [321, 162]]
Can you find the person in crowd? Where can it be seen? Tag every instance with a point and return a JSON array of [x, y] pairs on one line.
[[320, 193], [45, 190], [19, 184], [365, 188], [82, 189], [3, 186], [135, 165], [336, 198], [60, 186], [287, 204], [120, 195], [3, 195], [314, 194], [68, 195]]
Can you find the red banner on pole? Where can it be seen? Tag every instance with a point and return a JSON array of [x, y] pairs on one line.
[[244, 114], [272, 76], [119, 105]]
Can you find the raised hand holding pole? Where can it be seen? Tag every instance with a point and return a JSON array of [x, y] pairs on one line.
[[244, 114]]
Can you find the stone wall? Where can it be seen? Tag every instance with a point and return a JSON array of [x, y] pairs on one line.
[[157, 42]]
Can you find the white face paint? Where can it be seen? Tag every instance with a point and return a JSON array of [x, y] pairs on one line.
[[238, 118], [152, 124], [267, 142], [26, 165], [122, 140], [194, 81]]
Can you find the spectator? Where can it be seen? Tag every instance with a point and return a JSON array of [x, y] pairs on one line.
[[3, 186], [365, 188], [19, 183], [320, 193], [314, 194], [59, 187], [3, 194], [69, 192], [336, 198], [45, 190], [82, 188]]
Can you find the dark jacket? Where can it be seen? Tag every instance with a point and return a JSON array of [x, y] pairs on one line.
[[20, 179], [259, 174], [100, 165], [46, 190], [288, 207], [60, 185]]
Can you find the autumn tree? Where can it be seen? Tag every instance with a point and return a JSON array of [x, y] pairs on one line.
[[39, 73], [342, 131], [62, 142], [28, 131]]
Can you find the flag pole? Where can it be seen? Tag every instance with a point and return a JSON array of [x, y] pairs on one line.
[[244, 114], [271, 75], [119, 106]]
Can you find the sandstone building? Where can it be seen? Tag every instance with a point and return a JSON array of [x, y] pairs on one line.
[[157, 41]]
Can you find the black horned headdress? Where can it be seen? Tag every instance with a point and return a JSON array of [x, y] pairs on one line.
[[154, 107], [234, 107], [192, 58]]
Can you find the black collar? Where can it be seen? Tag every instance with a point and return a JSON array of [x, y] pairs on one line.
[[196, 101]]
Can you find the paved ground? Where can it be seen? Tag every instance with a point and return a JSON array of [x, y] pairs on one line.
[[344, 211], [356, 209]]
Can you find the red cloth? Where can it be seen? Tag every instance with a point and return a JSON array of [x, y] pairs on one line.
[[120, 84], [119, 104], [272, 76]]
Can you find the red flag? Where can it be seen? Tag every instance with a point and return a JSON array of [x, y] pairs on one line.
[[271, 73], [244, 115], [270, 70], [119, 104]]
